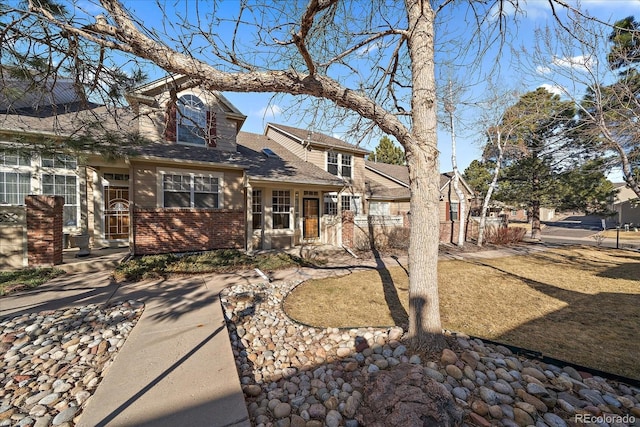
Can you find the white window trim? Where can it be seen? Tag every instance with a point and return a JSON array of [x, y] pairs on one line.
[[340, 154], [192, 174], [204, 119], [292, 200], [22, 169], [46, 170], [352, 195]]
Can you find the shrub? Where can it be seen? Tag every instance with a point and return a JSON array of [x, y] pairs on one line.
[[505, 235]]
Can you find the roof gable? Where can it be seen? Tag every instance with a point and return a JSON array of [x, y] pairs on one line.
[[146, 93], [315, 138]]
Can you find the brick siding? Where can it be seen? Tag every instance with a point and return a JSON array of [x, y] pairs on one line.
[[347, 229], [169, 230], [44, 230], [449, 231]]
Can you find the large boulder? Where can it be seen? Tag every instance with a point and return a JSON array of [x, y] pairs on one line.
[[405, 396]]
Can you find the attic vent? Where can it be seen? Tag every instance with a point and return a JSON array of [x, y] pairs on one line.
[[269, 153]]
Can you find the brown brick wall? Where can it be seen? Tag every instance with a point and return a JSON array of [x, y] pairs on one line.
[[449, 231], [160, 230], [347, 229], [44, 230]]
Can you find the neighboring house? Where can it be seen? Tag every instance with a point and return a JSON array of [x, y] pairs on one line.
[[626, 205], [388, 189]]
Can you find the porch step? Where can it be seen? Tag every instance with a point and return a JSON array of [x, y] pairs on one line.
[[98, 260]]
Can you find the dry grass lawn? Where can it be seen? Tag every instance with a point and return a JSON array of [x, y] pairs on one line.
[[579, 304]]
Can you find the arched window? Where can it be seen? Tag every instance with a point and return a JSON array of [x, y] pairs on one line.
[[191, 120]]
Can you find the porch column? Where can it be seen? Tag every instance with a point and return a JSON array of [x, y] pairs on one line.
[[249, 218]]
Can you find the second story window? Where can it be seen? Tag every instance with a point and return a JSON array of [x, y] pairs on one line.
[[340, 164], [332, 163], [346, 165], [191, 120]]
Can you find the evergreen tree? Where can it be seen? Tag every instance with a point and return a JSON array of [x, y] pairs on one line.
[[479, 175], [536, 153], [587, 189], [387, 152]]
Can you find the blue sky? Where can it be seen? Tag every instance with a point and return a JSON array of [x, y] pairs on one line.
[[260, 108]]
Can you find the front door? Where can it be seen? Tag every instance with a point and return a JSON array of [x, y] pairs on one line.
[[311, 214], [116, 213]]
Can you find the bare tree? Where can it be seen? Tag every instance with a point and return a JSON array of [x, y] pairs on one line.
[[499, 124], [450, 108], [578, 60], [374, 61]]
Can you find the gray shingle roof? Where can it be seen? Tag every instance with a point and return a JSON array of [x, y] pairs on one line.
[[398, 172], [317, 138], [285, 168]]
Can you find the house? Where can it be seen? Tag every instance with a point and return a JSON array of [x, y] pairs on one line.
[[388, 187], [626, 205], [198, 182]]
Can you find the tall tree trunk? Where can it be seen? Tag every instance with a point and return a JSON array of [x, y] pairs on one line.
[[462, 205], [492, 186], [425, 329], [535, 206]]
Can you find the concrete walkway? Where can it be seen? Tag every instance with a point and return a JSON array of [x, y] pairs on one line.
[[176, 367]]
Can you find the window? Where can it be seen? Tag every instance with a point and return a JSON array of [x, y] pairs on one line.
[[346, 166], [7, 159], [332, 163], [67, 187], [59, 179], [380, 208], [351, 203], [60, 161], [331, 204], [281, 206], [256, 208], [182, 190], [514, 212], [340, 164], [191, 120], [454, 212], [14, 186]]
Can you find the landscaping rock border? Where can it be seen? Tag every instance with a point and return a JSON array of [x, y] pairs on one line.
[[296, 375], [51, 362]]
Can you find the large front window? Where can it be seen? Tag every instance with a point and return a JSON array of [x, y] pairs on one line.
[[182, 190], [191, 120], [15, 179], [59, 179], [281, 207], [67, 187]]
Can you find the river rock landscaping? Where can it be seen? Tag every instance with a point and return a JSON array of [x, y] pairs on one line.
[[296, 375], [51, 362]]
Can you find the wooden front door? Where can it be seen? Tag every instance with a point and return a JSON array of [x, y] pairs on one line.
[[311, 215]]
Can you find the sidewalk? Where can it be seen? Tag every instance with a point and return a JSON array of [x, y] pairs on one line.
[[175, 369]]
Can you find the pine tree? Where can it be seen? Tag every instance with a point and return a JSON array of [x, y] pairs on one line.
[[387, 152]]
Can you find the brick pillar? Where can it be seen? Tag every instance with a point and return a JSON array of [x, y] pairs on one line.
[[347, 228], [44, 230]]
